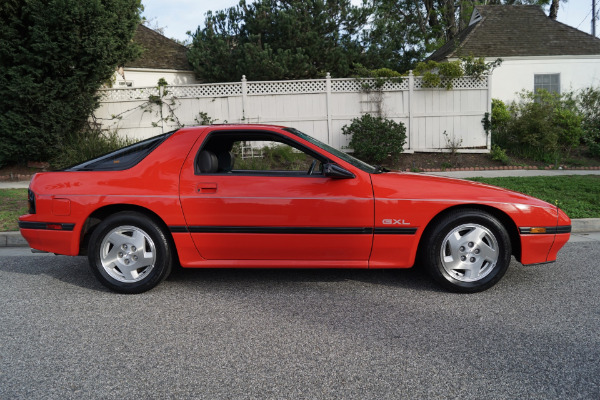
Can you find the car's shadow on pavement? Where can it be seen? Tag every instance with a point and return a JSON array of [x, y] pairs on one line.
[[76, 271], [412, 278], [70, 270]]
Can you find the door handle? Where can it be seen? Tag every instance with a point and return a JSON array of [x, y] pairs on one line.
[[206, 187]]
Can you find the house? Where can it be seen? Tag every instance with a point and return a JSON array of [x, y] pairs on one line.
[[537, 52], [161, 58]]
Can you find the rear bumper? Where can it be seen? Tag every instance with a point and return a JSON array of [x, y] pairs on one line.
[[45, 236]]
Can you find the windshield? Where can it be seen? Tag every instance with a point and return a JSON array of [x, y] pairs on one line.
[[344, 156]]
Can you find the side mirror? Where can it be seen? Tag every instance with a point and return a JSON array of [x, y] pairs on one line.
[[336, 172]]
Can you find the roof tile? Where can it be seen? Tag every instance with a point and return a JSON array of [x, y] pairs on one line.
[[508, 31], [159, 51]]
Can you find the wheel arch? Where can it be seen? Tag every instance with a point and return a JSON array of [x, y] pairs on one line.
[[505, 220], [102, 213]]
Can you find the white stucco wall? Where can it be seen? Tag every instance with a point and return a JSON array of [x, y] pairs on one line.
[[143, 77], [516, 74]]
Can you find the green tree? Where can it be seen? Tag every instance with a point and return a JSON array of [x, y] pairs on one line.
[[279, 39], [396, 42], [54, 56]]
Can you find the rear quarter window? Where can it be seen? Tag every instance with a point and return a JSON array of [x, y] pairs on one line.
[[123, 158]]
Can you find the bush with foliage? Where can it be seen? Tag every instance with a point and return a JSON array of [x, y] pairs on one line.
[[477, 67], [500, 115], [499, 154], [436, 74], [440, 74], [274, 157], [588, 101], [374, 79], [54, 56], [374, 139], [360, 71], [542, 126]]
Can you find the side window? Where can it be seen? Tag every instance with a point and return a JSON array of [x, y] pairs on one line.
[[549, 82], [253, 154], [259, 155]]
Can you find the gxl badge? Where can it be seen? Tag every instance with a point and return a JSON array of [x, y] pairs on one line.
[[395, 222]]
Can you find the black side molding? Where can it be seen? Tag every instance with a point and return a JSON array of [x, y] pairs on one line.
[[549, 230], [53, 226], [395, 231], [294, 230]]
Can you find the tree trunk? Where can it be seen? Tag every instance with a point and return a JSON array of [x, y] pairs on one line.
[[431, 14], [449, 16], [553, 9]]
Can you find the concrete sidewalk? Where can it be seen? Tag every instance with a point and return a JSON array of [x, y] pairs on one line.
[[14, 185]]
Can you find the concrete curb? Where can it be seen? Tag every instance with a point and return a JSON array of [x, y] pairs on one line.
[[582, 225], [12, 239]]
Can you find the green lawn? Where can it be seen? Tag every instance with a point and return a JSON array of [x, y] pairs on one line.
[[577, 195], [13, 202]]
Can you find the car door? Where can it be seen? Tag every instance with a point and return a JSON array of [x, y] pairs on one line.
[[263, 203]]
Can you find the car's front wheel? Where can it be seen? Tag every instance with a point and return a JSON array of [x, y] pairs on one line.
[[129, 253], [467, 251]]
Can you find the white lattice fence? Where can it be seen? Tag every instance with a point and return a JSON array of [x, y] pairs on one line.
[[357, 85], [210, 90], [115, 95], [319, 107], [465, 82], [286, 87]]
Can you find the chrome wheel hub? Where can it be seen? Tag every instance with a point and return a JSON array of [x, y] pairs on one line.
[[469, 252], [127, 254]]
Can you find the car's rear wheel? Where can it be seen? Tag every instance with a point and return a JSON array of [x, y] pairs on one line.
[[129, 253], [467, 251]]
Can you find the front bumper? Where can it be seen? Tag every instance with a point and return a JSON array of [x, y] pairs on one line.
[[539, 248]]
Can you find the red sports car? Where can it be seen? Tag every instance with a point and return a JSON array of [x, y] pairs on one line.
[[263, 196]]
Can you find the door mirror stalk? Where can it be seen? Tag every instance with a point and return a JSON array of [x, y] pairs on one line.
[[334, 171]]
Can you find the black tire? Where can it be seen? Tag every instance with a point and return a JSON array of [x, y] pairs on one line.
[[467, 251], [129, 253]]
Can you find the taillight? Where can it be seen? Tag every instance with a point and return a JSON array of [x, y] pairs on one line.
[[31, 201]]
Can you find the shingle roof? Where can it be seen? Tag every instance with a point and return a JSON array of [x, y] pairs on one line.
[[509, 31], [159, 52]]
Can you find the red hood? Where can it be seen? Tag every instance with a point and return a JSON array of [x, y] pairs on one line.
[[401, 185]]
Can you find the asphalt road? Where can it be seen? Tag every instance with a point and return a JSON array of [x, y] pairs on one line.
[[306, 334]]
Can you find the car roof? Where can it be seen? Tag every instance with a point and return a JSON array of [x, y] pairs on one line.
[[235, 126]]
